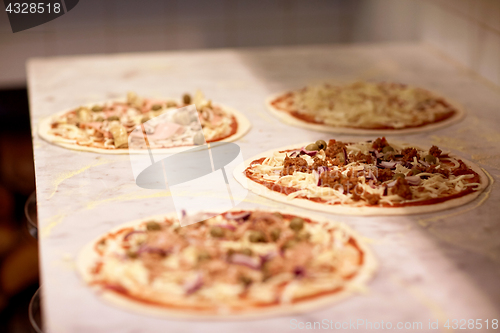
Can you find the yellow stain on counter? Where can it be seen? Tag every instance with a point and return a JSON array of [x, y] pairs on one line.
[[449, 142], [70, 174], [139, 195], [424, 299], [51, 224], [490, 160], [128, 197], [265, 117]]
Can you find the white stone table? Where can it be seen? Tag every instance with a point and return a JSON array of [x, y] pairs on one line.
[[436, 266]]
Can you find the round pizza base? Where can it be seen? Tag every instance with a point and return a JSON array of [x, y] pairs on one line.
[[45, 126], [87, 257], [261, 190], [287, 118]]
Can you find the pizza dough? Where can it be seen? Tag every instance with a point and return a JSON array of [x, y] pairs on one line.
[[326, 183], [95, 127], [239, 265], [365, 108]]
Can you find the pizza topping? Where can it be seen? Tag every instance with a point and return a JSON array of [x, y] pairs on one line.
[[296, 224], [311, 147], [380, 143], [387, 149], [216, 232], [461, 170], [294, 164], [408, 154], [360, 157], [402, 188], [193, 284], [97, 126], [365, 173], [246, 260], [321, 144], [431, 159], [387, 165], [384, 174], [365, 105], [240, 216], [120, 136], [267, 257], [186, 99], [435, 151]]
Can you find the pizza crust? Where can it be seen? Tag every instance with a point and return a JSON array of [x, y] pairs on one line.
[[350, 210], [45, 126], [87, 257], [291, 120]]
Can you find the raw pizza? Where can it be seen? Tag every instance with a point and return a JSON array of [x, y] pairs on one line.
[[363, 178], [239, 264], [364, 108], [106, 127]]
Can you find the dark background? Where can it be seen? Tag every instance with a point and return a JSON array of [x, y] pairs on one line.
[[18, 249]]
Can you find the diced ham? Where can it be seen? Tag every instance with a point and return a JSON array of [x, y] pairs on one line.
[[95, 124], [216, 120], [115, 110], [98, 127]]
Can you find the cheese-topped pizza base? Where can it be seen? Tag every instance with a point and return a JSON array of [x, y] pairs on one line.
[[325, 109], [217, 275], [303, 189], [236, 125]]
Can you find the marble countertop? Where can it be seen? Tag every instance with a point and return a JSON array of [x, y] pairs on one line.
[[438, 266]]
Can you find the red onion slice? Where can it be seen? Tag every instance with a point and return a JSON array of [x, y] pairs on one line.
[[299, 272], [267, 256], [127, 236], [193, 285], [388, 165], [237, 216], [424, 163], [376, 153], [391, 184], [319, 172], [413, 180], [241, 259], [370, 175], [322, 169], [308, 152]]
